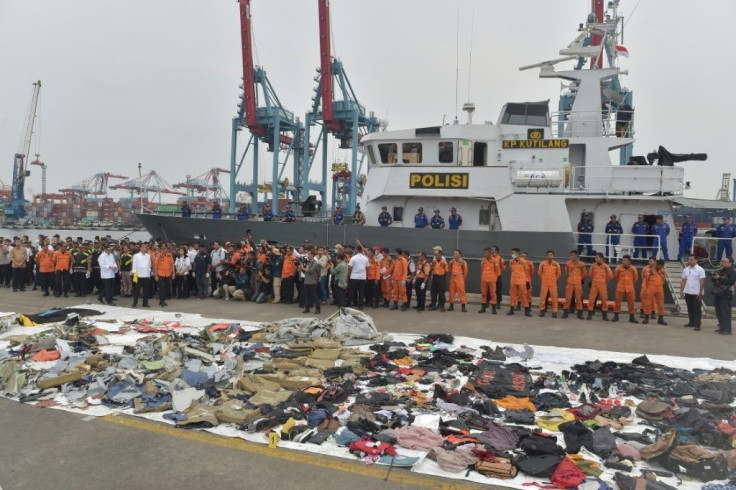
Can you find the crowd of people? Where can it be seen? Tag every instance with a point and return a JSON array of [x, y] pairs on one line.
[[349, 275]]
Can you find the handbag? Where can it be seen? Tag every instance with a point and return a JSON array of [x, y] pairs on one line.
[[498, 468]]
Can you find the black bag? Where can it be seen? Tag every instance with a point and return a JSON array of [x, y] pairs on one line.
[[524, 417], [540, 465], [576, 435], [603, 442], [697, 462], [539, 444]]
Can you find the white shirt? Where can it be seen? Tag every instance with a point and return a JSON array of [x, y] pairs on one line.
[[692, 276], [108, 266], [142, 264], [191, 253], [217, 257], [182, 265], [358, 264]]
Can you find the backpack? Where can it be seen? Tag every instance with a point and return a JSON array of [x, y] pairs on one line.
[[540, 444], [660, 449], [567, 475], [697, 462], [524, 417], [541, 465], [586, 411], [576, 435], [654, 410], [603, 442]]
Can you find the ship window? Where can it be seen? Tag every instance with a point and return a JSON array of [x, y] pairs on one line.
[[484, 216], [411, 152], [480, 151], [446, 152], [398, 214], [371, 156], [388, 152]]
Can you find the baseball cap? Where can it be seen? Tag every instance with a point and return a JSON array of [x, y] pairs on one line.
[[613, 216], [453, 209], [384, 207], [421, 208], [437, 248], [436, 210]]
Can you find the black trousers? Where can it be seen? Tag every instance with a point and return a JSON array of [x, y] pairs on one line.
[[499, 292], [357, 292], [287, 290], [164, 289], [694, 312], [409, 288], [19, 278], [108, 288], [61, 281], [80, 283], [339, 294], [142, 288], [421, 293], [5, 274], [438, 291], [47, 281], [181, 287], [722, 305], [311, 296]]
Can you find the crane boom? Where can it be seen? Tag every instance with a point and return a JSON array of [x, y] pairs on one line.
[[17, 198], [325, 59], [249, 87]]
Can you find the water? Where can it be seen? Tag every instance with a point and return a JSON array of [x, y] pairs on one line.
[[86, 234]]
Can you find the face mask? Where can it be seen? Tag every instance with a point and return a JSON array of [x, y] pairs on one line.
[[513, 256]]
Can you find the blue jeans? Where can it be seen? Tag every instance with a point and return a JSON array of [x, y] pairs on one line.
[[323, 288], [640, 247], [585, 239]]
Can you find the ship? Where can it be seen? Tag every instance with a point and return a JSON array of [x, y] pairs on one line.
[[525, 180]]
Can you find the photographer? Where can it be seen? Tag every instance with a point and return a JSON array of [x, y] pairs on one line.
[[264, 282], [722, 290], [311, 269], [277, 262]]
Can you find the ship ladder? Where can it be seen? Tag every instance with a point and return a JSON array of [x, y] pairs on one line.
[[674, 279]]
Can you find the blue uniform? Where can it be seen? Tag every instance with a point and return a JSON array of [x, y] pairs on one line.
[[216, 211], [614, 230], [689, 230], [640, 230], [661, 230], [267, 216], [338, 218], [289, 217], [585, 239], [243, 214], [436, 222], [455, 221], [420, 220], [725, 231], [384, 219], [186, 211]]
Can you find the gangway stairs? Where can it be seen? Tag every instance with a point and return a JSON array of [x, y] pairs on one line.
[[674, 280]]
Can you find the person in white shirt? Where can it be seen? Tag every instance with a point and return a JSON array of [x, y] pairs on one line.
[[691, 289], [191, 285], [182, 266], [108, 269], [142, 275], [217, 257], [357, 271]]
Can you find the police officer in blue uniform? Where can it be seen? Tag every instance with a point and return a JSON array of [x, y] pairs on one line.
[[267, 213], [216, 211], [437, 222], [186, 211], [455, 220], [585, 237], [243, 213], [339, 217], [725, 230], [640, 231], [662, 230], [289, 216], [384, 219], [420, 219], [614, 230], [689, 230]]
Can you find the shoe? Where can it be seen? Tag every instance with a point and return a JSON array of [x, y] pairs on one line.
[[605, 316], [541, 313], [580, 315], [697, 328], [318, 311], [404, 307], [66, 295], [100, 300], [565, 314], [482, 309], [305, 310], [442, 309], [464, 309], [590, 315], [134, 305], [688, 325], [632, 319], [432, 308], [653, 315], [554, 315], [724, 332], [451, 307], [46, 293], [146, 305], [527, 312], [615, 317], [645, 320], [661, 321], [420, 308], [163, 304], [641, 313], [511, 311], [493, 310], [394, 306], [518, 307]]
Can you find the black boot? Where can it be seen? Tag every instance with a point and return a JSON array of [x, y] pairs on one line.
[[653, 315], [565, 314], [541, 313], [483, 308], [511, 311], [615, 317], [432, 308], [632, 319], [580, 314], [554, 315], [641, 313], [493, 309], [404, 307], [451, 307], [527, 311], [385, 303], [395, 306], [645, 320], [590, 315], [605, 316], [661, 320], [464, 309]]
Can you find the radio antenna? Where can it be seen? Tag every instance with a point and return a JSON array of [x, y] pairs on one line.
[[457, 59], [470, 56]]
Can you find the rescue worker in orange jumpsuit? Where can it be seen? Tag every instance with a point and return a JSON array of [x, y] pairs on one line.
[[519, 282], [373, 277], [490, 269], [458, 274], [626, 276], [439, 271], [164, 275], [399, 272], [599, 274], [62, 264], [549, 271], [420, 280], [386, 270], [45, 261], [529, 275], [645, 273], [576, 274], [655, 293]]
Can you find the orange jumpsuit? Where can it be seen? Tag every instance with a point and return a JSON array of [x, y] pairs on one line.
[[529, 275], [600, 275], [575, 276], [386, 271], [625, 280], [165, 265], [517, 289], [400, 269], [458, 274], [655, 292], [62, 260], [489, 271], [646, 271], [45, 261], [550, 273], [371, 272]]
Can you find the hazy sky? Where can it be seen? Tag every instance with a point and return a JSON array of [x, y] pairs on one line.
[[156, 81]]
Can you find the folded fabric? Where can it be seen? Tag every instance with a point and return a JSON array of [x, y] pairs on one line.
[[552, 421], [511, 402], [452, 461], [397, 460], [416, 437]]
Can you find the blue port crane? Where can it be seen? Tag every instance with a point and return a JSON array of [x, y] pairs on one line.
[[335, 108], [17, 194], [262, 113]]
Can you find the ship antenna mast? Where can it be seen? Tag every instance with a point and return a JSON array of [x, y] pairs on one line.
[[457, 59]]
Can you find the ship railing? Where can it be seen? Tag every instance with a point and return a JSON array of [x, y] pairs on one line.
[[601, 243], [626, 179], [234, 216], [580, 124], [710, 246]]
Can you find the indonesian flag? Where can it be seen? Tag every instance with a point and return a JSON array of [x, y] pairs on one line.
[[622, 51]]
